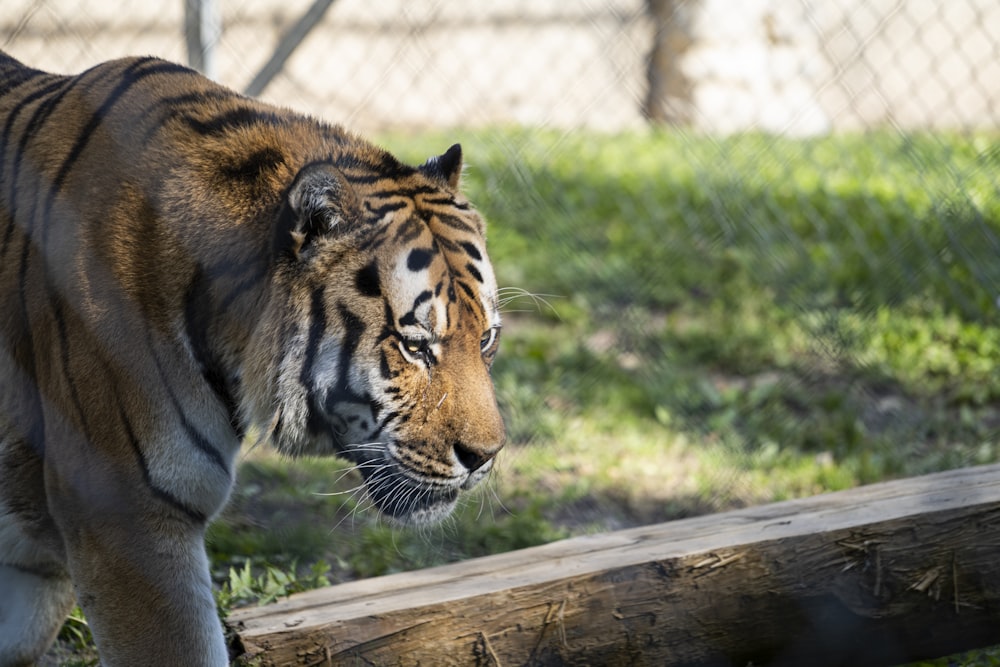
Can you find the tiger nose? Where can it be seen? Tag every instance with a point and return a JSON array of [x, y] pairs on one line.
[[474, 458]]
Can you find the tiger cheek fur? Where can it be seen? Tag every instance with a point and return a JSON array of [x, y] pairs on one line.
[[181, 266]]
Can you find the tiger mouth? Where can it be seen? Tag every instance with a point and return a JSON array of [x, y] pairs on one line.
[[408, 501]]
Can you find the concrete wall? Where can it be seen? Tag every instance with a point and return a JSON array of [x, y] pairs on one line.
[[788, 66], [811, 66]]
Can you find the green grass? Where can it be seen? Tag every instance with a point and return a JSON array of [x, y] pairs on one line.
[[720, 322], [803, 315]]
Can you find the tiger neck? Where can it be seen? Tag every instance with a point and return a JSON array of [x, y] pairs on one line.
[[219, 307]]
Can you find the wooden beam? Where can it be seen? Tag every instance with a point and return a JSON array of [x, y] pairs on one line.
[[878, 575]]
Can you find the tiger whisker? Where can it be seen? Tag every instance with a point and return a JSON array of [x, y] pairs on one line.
[[340, 477], [508, 295]]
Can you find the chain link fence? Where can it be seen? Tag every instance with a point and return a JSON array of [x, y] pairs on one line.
[[777, 221], [801, 67]]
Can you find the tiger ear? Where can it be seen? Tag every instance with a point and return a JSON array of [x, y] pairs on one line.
[[446, 167], [319, 202]]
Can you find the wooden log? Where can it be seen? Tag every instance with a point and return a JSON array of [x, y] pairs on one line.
[[878, 575]]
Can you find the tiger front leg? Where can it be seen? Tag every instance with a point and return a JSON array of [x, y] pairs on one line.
[[136, 555], [36, 597], [35, 590], [145, 589]]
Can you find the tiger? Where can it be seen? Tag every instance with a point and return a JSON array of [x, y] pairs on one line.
[[184, 270]]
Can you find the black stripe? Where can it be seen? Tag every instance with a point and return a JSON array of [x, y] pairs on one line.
[[381, 211], [468, 290], [130, 77], [317, 329], [419, 259], [388, 330], [168, 108], [254, 274], [219, 387], [409, 231], [471, 250], [158, 493], [363, 179], [28, 341], [374, 241], [367, 281], [283, 244], [196, 97], [474, 272], [448, 201], [253, 166], [16, 78], [448, 244], [279, 426], [424, 296], [447, 308], [386, 166], [441, 199], [9, 128], [353, 329], [231, 120], [389, 417], [39, 116], [409, 319], [394, 190], [67, 374], [455, 222], [197, 320], [384, 370]]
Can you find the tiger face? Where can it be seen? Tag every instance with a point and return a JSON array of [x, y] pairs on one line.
[[391, 366]]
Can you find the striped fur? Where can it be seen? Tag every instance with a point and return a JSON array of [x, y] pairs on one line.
[[181, 266]]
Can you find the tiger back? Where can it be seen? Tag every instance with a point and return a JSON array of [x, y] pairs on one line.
[[180, 266]]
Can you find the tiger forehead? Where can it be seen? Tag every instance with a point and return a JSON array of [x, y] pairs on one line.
[[421, 234], [436, 280]]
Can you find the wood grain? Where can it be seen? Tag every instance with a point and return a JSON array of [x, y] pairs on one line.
[[877, 575]]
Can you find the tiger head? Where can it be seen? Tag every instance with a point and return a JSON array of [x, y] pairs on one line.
[[378, 338]]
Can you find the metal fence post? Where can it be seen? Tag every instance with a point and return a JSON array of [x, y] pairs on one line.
[[202, 29], [289, 42]]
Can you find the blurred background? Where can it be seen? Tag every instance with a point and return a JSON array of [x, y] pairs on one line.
[[749, 250]]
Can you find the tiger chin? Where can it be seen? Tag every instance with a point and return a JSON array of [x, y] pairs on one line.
[[181, 266]]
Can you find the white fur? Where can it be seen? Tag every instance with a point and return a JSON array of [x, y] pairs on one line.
[[32, 607], [407, 285], [177, 466], [32, 610], [184, 630], [488, 290]]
